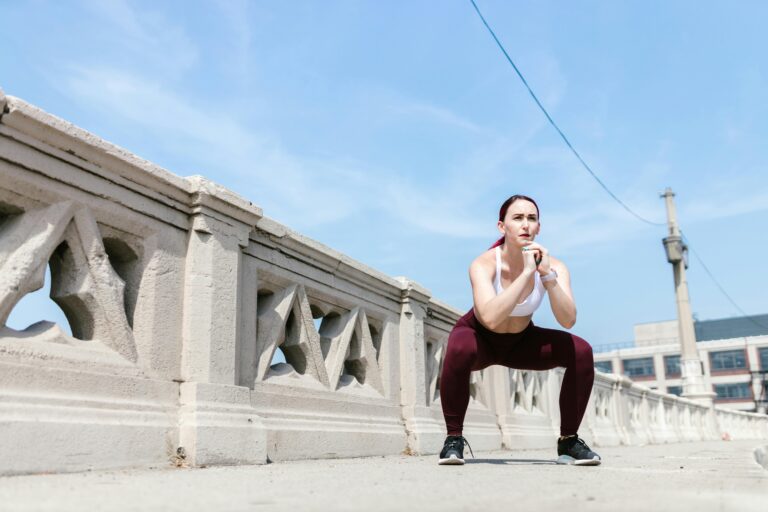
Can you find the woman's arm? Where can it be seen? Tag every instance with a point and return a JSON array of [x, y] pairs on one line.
[[491, 309], [561, 296]]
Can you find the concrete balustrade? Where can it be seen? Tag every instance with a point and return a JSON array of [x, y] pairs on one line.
[[179, 293]]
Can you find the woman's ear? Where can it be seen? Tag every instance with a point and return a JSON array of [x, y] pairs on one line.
[[500, 225]]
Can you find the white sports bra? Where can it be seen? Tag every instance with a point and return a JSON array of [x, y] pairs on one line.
[[532, 302]]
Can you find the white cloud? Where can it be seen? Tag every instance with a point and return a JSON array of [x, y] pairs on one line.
[[434, 113], [286, 185], [723, 198], [237, 14], [147, 35]]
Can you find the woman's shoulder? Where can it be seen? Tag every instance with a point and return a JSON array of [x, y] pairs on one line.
[[485, 262], [557, 264]]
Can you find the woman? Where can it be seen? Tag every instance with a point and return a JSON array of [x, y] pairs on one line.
[[509, 282]]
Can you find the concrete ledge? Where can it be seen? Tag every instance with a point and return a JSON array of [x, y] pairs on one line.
[[305, 423], [111, 159], [60, 420], [217, 425]]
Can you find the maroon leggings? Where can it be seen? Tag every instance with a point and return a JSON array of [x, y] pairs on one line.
[[473, 347]]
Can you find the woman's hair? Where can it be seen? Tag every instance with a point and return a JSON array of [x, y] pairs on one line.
[[503, 212]]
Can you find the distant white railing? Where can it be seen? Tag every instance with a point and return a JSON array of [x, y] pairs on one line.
[[179, 293]]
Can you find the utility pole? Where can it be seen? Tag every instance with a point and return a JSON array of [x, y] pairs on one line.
[[691, 367]]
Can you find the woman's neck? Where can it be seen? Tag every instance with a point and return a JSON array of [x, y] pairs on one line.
[[513, 256]]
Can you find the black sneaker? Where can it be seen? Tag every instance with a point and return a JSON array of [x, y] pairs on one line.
[[453, 450], [573, 450]]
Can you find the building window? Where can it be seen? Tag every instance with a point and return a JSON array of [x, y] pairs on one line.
[[728, 360], [738, 390], [641, 367], [672, 365], [764, 358], [604, 366], [675, 390]]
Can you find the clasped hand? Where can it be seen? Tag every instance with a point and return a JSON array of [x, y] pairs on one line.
[[536, 257]]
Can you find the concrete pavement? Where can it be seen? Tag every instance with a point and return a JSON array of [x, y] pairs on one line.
[[707, 476]]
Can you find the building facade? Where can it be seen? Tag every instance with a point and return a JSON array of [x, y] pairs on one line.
[[733, 351]]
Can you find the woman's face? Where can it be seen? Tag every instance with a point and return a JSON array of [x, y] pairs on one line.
[[521, 223]]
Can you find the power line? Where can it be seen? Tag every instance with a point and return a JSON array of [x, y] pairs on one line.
[[554, 125], [722, 290]]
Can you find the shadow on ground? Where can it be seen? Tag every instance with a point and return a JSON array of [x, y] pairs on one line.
[[519, 462]]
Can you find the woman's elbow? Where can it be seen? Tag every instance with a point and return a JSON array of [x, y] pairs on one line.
[[486, 320], [568, 322]]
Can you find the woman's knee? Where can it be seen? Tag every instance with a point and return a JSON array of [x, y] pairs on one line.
[[583, 353]]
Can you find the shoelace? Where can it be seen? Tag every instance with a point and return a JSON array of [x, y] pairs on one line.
[[576, 440], [462, 439], [582, 443]]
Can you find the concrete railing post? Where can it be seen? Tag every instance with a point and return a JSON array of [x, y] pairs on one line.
[[603, 409], [624, 425], [425, 432], [217, 423]]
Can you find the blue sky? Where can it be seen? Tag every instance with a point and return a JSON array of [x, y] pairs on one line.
[[392, 131]]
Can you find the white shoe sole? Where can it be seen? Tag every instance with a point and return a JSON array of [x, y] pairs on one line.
[[566, 459], [451, 461]]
